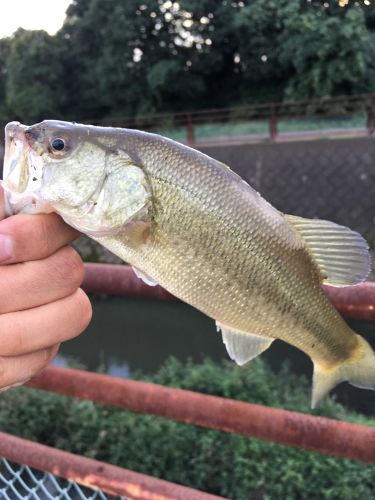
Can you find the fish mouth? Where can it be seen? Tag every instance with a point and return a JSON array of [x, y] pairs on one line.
[[15, 171], [22, 173]]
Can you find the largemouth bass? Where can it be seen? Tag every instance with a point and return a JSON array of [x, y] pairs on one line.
[[189, 223]]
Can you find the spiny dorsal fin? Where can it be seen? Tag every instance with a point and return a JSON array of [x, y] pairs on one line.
[[242, 347], [341, 254]]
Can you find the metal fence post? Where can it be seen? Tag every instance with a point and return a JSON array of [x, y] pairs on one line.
[[190, 129], [273, 124]]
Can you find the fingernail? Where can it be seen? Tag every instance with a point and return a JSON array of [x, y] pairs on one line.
[[6, 247]]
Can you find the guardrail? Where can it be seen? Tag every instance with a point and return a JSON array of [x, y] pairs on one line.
[[94, 474], [333, 107], [300, 430]]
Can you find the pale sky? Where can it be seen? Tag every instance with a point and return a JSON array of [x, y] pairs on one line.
[[32, 15]]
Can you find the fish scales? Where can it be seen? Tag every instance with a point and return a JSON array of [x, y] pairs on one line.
[[198, 230], [186, 221]]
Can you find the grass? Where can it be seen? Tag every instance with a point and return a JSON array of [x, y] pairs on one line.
[[261, 127]]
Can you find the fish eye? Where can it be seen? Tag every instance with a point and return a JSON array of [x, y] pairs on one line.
[[58, 145]]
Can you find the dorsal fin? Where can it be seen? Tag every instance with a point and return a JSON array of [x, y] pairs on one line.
[[242, 347], [341, 254]]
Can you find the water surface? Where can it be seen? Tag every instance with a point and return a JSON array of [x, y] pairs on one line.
[[127, 335]]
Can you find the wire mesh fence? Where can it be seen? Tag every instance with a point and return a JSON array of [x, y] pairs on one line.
[[327, 179], [19, 482]]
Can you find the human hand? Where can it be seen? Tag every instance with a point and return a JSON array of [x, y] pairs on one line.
[[41, 304]]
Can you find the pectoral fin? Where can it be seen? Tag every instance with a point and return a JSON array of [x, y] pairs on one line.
[[341, 254], [241, 346]]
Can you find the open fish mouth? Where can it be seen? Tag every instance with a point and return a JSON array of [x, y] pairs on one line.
[[16, 171], [22, 172]]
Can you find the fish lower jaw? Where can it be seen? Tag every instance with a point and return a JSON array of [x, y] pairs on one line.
[[27, 203]]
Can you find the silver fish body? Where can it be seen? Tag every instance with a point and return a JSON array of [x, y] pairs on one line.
[[188, 222]]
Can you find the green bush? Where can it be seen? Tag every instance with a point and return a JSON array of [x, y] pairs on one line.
[[217, 462]]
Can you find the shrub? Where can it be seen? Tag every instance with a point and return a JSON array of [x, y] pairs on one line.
[[213, 461]]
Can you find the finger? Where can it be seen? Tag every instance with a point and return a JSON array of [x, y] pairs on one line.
[[2, 206], [34, 329], [16, 370], [31, 237], [38, 282]]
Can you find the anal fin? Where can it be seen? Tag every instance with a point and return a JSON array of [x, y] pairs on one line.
[[243, 347]]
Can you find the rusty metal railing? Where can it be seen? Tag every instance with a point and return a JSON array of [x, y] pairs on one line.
[[270, 113], [94, 474], [355, 302], [300, 430]]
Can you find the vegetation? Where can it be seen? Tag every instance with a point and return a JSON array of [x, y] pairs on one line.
[[218, 462], [131, 57]]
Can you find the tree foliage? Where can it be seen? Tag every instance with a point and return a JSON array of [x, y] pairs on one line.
[[35, 75], [329, 53], [131, 57]]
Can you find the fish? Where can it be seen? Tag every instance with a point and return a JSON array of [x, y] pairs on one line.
[[189, 223]]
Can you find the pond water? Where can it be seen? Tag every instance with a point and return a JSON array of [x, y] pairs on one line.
[[127, 335]]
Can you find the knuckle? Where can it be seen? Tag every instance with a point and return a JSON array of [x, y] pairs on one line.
[[25, 230], [69, 267], [44, 236], [16, 231]]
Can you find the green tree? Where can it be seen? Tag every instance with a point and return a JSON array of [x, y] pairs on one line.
[[328, 51], [130, 57], [126, 58], [4, 53], [34, 83]]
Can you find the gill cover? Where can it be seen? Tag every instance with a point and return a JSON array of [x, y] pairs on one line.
[[122, 197], [93, 186]]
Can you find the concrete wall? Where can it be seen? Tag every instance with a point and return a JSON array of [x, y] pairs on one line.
[[332, 179]]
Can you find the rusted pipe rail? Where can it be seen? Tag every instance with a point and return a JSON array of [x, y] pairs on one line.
[[356, 302], [94, 474], [342, 106], [314, 433]]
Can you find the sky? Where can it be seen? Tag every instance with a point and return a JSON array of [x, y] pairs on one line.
[[32, 14]]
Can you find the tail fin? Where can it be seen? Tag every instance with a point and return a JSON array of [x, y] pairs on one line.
[[359, 370]]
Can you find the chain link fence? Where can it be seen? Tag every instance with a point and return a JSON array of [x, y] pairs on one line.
[[19, 482], [332, 179]]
